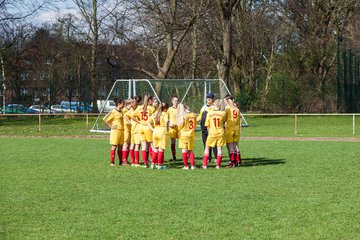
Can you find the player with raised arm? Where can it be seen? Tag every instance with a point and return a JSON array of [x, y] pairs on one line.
[[115, 120], [186, 122], [232, 126], [173, 131], [215, 121], [159, 124], [141, 115]]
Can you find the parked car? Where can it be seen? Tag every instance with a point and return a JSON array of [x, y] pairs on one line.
[[39, 109], [16, 109], [61, 109], [77, 106]]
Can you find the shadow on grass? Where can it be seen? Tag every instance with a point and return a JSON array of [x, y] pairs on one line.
[[251, 162], [246, 162]]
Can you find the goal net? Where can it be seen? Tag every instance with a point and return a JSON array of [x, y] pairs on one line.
[[191, 92]]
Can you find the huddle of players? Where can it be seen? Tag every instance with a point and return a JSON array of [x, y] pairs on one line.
[[148, 126]]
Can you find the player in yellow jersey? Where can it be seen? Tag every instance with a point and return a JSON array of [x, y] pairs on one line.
[[127, 132], [202, 117], [173, 131], [141, 115], [238, 154], [135, 135], [232, 126], [186, 122], [115, 120], [215, 121], [159, 124]]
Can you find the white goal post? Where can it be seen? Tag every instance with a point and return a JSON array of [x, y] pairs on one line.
[[191, 92]]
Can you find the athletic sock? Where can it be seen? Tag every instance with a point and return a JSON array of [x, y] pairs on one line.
[[232, 156], [144, 156], [205, 159], [192, 159], [173, 150], [125, 156], [137, 161], [218, 160], [120, 155], [112, 155], [185, 160], [160, 158], [132, 156], [154, 157], [238, 157]]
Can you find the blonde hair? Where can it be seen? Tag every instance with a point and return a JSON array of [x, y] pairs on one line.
[[180, 116], [162, 107], [218, 104]]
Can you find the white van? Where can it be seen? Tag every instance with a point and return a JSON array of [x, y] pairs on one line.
[[107, 105]]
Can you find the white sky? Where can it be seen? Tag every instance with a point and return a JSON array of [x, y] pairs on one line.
[[50, 14]]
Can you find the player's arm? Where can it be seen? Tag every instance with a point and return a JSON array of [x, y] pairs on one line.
[[198, 119], [207, 122], [127, 117], [108, 119], [151, 123]]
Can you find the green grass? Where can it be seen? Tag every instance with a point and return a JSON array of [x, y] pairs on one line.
[[54, 188]]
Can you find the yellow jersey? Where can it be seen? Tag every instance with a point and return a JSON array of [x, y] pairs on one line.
[[233, 118], [172, 115], [141, 115], [115, 117], [188, 127], [215, 121], [127, 119], [164, 119]]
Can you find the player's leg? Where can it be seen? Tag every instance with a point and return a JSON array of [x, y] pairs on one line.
[[184, 153], [160, 159], [219, 156], [112, 155], [119, 153], [173, 151]]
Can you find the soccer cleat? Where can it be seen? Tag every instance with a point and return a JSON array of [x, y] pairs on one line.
[[185, 168], [112, 164], [161, 168], [217, 167], [125, 164], [193, 167], [145, 166], [137, 165], [152, 166], [204, 167], [174, 159]]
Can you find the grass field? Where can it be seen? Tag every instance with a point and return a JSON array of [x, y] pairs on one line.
[[53, 188]]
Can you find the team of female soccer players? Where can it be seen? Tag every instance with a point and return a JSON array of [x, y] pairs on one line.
[[150, 125]]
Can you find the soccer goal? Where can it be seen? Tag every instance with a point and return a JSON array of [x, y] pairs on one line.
[[191, 92]]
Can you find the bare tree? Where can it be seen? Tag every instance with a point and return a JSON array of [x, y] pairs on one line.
[[163, 27], [94, 14]]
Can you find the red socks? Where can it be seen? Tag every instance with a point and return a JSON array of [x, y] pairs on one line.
[[185, 160], [205, 159], [160, 158], [192, 159], [125, 156], [238, 157], [154, 157], [144, 156], [218, 160], [112, 155], [132, 156], [137, 157], [120, 155]]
